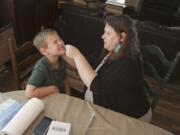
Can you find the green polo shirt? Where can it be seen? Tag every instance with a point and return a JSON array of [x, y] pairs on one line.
[[43, 74]]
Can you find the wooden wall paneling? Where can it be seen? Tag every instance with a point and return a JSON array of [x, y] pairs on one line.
[[47, 12], [4, 13], [24, 14], [29, 15]]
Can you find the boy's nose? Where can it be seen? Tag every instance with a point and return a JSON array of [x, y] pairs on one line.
[[61, 43]]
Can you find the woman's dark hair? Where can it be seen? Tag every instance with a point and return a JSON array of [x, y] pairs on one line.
[[124, 23]]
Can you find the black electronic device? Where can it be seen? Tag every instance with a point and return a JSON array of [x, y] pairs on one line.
[[42, 126]]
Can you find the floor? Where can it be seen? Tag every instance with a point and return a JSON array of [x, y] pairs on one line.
[[167, 112], [165, 115]]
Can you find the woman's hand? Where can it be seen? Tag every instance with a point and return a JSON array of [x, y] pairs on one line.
[[85, 70], [71, 51]]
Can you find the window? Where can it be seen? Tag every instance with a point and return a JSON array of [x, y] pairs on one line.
[[117, 2]]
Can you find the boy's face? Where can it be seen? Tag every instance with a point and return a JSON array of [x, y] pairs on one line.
[[55, 45]]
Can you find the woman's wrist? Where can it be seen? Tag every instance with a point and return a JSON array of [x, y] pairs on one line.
[[78, 57]]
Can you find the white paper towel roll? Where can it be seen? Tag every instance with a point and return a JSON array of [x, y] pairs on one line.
[[24, 117]]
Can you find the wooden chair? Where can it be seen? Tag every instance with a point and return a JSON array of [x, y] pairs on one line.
[[22, 60], [150, 54]]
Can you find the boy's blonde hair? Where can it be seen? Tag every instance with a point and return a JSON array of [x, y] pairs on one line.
[[39, 40]]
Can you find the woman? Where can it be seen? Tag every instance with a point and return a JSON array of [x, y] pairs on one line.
[[118, 84]]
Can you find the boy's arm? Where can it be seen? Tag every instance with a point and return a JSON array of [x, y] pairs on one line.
[[66, 86], [33, 91]]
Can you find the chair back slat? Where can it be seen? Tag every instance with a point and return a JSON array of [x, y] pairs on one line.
[[28, 61], [154, 51], [23, 60]]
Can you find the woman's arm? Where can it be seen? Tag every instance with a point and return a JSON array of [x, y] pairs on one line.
[[69, 61], [85, 71]]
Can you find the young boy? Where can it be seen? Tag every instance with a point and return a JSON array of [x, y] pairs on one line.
[[49, 73]]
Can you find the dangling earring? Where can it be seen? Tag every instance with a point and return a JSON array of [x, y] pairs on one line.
[[117, 48]]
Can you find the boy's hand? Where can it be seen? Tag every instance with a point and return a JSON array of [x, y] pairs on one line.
[[54, 88]]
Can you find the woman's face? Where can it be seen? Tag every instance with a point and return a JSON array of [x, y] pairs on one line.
[[110, 37]]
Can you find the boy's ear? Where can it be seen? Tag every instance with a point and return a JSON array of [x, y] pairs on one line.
[[122, 36], [43, 50]]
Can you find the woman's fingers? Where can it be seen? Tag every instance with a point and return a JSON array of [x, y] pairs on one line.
[[71, 51]]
